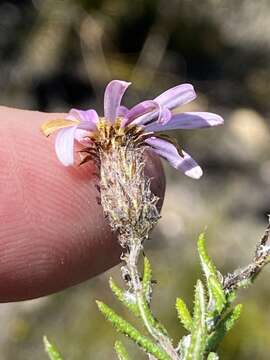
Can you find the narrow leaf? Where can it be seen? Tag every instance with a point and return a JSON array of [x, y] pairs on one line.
[[217, 298], [217, 293], [199, 306], [196, 348], [131, 304], [51, 350], [122, 296], [147, 313], [208, 266], [223, 328], [147, 279], [121, 351], [231, 296], [127, 329], [184, 314]]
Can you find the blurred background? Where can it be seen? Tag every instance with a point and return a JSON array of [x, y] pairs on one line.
[[58, 54]]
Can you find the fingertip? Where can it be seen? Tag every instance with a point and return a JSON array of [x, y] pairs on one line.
[[53, 233]]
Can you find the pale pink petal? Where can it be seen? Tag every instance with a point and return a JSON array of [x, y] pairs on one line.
[[171, 98], [81, 135], [165, 116], [142, 108], [112, 98], [123, 114], [169, 152], [64, 145], [188, 120], [88, 118], [122, 111], [176, 96], [147, 111], [143, 112]]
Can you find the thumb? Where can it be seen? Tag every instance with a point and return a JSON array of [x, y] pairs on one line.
[[53, 233]]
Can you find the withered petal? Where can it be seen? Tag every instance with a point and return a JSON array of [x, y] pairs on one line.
[[52, 125]]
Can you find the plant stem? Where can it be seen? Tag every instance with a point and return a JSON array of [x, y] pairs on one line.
[[130, 206], [245, 276], [132, 264]]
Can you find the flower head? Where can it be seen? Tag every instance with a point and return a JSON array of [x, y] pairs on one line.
[[142, 124]]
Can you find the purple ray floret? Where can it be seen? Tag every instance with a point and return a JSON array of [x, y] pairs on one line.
[[64, 142], [151, 115]]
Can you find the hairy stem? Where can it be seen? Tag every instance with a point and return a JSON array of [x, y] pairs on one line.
[[131, 209], [243, 277], [132, 265]]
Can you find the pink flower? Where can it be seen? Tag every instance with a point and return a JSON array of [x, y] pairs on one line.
[[151, 116]]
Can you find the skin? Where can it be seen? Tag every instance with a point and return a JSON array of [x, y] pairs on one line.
[[53, 233]]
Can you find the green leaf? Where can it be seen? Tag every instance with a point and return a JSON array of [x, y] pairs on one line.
[[121, 351], [216, 293], [196, 348], [217, 297], [122, 296], [199, 306], [184, 314], [51, 350], [224, 326], [208, 266], [212, 356], [133, 307], [231, 296], [147, 279], [147, 313], [127, 329]]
